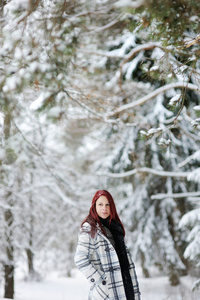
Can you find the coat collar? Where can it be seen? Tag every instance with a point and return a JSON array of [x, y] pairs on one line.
[[101, 234]]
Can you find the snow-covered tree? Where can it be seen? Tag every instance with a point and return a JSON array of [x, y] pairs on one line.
[[150, 81], [33, 53], [119, 80], [191, 223]]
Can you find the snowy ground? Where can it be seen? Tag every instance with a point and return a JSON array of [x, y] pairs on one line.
[[76, 288]]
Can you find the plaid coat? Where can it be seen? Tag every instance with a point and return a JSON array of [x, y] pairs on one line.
[[98, 261]]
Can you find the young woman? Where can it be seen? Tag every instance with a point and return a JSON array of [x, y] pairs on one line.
[[102, 255]]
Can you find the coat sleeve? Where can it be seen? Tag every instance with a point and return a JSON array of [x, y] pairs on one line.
[[133, 275], [83, 257]]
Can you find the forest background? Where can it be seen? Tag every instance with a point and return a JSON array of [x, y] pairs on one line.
[[98, 94]]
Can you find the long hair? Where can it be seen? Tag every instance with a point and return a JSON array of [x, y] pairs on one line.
[[93, 218]]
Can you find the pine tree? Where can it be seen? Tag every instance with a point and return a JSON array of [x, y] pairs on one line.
[[152, 77]]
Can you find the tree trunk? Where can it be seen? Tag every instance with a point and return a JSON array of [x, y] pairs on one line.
[[9, 218], [29, 252], [144, 269], [30, 256], [9, 281], [9, 263]]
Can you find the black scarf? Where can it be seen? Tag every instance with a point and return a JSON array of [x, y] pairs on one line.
[[117, 232]]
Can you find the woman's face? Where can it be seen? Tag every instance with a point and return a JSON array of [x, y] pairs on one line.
[[103, 207]]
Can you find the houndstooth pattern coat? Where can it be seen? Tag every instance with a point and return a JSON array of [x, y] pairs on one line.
[[98, 261]]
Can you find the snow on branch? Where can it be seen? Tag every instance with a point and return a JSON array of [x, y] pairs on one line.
[[129, 3], [152, 95], [32, 6], [136, 50], [194, 175], [195, 156], [86, 13], [40, 101], [127, 57], [190, 218], [196, 108], [56, 189], [133, 53], [175, 195], [7, 207], [193, 41], [187, 133], [105, 27], [107, 54], [146, 170]]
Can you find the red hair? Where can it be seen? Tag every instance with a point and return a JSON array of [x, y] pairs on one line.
[[93, 218]]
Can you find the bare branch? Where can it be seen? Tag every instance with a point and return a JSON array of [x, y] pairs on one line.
[[130, 56], [104, 54], [136, 50], [193, 41], [36, 151], [189, 158], [152, 95], [146, 170], [192, 136], [176, 195], [88, 13], [90, 110], [107, 26]]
